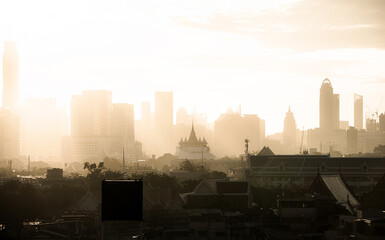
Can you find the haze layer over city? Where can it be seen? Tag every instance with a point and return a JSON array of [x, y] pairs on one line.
[[234, 99]]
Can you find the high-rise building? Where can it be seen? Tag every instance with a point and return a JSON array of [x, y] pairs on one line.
[[358, 112], [10, 76], [289, 129], [231, 130], [182, 117], [9, 135], [122, 130], [164, 121], [91, 113], [43, 125], [90, 127], [329, 112], [352, 140], [382, 122], [146, 114]]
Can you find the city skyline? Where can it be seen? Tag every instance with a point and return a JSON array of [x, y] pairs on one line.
[[224, 51]]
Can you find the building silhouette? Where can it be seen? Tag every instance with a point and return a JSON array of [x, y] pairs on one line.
[[289, 129], [9, 136], [358, 111], [91, 114], [164, 121], [146, 114], [43, 125], [329, 112], [9, 117], [100, 129], [352, 140], [382, 122], [231, 129], [11, 98], [123, 131]]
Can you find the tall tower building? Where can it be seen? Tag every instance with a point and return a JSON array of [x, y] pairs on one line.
[[11, 96], [9, 135], [358, 112], [91, 114], [164, 121], [329, 111], [146, 114], [122, 129], [289, 129], [43, 125]]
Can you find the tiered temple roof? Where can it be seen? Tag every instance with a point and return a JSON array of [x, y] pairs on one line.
[[193, 140]]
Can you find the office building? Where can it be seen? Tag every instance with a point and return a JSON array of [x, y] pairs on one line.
[[289, 129], [11, 96], [9, 136], [122, 130], [329, 111], [91, 114], [231, 130], [382, 122], [43, 125], [358, 112], [352, 140], [164, 122]]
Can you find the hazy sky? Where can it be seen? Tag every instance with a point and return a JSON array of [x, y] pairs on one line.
[[264, 55]]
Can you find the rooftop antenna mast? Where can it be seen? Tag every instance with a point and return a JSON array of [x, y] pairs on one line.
[[29, 165], [124, 163], [247, 146]]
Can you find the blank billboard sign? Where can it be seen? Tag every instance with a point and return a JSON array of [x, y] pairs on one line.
[[122, 200]]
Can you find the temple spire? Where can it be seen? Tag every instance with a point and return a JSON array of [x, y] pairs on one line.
[[193, 137]]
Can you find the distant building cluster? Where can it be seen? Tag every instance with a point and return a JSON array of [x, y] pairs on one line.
[[97, 128], [337, 137]]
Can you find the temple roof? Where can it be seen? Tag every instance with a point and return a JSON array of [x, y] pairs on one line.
[[193, 137], [193, 140]]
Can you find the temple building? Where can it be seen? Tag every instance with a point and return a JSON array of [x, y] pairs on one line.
[[193, 149]]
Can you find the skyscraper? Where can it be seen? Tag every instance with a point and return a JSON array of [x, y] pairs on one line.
[[10, 76], [231, 130], [9, 135], [358, 112], [146, 114], [91, 113], [43, 125], [122, 130], [329, 111], [289, 129], [164, 121]]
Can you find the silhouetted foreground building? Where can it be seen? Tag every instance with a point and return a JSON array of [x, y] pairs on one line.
[[327, 196], [219, 194], [55, 173], [298, 171]]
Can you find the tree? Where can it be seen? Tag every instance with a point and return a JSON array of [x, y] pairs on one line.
[[97, 173], [186, 165]]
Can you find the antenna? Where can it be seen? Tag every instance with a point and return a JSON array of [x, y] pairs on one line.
[[29, 165], [202, 157], [247, 146], [124, 163]]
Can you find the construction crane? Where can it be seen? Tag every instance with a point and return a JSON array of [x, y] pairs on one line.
[[378, 108]]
